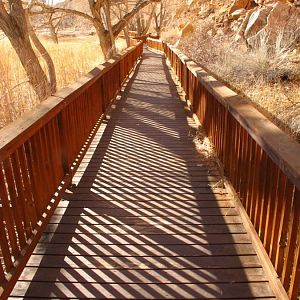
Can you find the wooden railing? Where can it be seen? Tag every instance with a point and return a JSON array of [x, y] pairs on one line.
[[260, 160], [40, 153]]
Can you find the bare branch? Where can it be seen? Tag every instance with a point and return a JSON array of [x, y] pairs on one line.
[[117, 28], [49, 9], [3, 16]]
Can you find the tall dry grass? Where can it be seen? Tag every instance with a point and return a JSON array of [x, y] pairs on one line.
[[269, 75], [72, 58]]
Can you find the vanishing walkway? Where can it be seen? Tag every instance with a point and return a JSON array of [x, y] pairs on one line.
[[145, 220]]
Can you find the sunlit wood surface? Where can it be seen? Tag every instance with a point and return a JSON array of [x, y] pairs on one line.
[[146, 219]]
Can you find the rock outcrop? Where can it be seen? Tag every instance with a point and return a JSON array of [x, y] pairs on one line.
[[187, 30], [241, 4], [249, 21], [271, 20]]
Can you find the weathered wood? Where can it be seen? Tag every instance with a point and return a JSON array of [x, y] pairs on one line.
[[145, 239], [146, 229], [127, 212], [39, 153], [145, 276], [148, 217], [147, 204], [146, 263], [143, 291], [257, 157]]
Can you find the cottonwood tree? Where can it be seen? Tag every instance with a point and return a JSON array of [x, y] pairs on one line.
[[100, 17], [143, 21], [14, 22], [54, 24], [119, 10], [159, 17]]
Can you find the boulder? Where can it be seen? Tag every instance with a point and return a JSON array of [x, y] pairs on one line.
[[241, 4], [187, 30], [180, 11], [278, 17], [257, 21], [282, 20], [241, 30], [238, 13]]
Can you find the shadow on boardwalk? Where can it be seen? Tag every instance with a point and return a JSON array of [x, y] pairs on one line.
[[144, 221]]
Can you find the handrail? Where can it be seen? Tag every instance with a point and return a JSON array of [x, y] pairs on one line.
[[260, 160], [40, 153]]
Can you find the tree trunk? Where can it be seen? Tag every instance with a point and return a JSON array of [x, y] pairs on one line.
[[30, 62], [126, 34], [53, 33], [105, 41], [14, 26], [139, 24], [147, 27], [157, 25], [109, 27], [44, 53]]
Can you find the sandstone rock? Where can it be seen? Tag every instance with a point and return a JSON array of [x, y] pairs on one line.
[[241, 4], [241, 31], [238, 13], [271, 2], [283, 19], [257, 21], [180, 11], [278, 17], [187, 30]]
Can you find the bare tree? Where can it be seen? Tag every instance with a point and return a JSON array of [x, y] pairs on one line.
[[100, 18], [14, 24], [159, 17], [147, 24], [54, 24], [44, 53], [119, 10], [107, 8]]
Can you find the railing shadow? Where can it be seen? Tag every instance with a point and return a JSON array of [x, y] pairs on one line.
[[145, 220]]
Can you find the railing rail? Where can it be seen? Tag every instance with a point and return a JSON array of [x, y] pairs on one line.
[[261, 161], [39, 154]]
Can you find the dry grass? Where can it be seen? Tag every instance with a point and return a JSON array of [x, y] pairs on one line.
[[268, 75], [72, 57]]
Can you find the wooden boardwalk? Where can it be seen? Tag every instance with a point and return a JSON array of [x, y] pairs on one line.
[[145, 220]]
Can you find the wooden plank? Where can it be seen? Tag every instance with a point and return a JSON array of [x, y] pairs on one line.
[[145, 184], [147, 197], [144, 263], [146, 229], [180, 251], [147, 190], [140, 168], [142, 291], [146, 177], [131, 220], [144, 239], [127, 212], [143, 276], [154, 173], [147, 204]]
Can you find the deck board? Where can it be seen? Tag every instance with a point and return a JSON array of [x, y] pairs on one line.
[[146, 218]]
